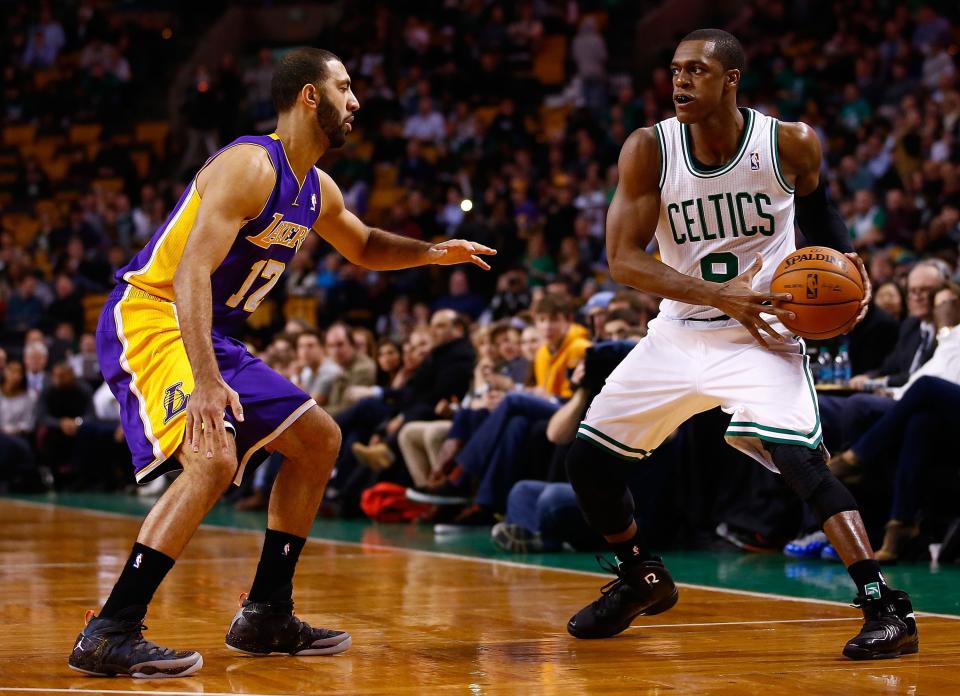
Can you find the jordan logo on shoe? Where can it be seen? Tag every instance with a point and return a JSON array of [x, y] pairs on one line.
[[79, 645], [651, 578]]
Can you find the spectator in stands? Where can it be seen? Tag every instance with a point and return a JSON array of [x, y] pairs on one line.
[[67, 305], [85, 364], [510, 361], [426, 124], [17, 422], [459, 297], [889, 297], [61, 409], [590, 55], [563, 346], [35, 361], [315, 374], [25, 309], [355, 368], [389, 359]]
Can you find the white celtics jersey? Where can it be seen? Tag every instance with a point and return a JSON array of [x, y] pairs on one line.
[[713, 221]]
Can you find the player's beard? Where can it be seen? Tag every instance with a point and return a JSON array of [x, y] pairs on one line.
[[328, 118]]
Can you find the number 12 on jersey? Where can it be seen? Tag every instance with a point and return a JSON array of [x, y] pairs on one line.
[[268, 269]]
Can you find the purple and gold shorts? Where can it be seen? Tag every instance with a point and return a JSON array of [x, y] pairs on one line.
[[144, 361]]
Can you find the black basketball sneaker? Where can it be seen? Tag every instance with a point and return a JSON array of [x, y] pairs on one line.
[[266, 628], [643, 589], [109, 647], [889, 628]]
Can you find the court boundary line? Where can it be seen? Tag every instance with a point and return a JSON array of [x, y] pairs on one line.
[[37, 689], [458, 557]]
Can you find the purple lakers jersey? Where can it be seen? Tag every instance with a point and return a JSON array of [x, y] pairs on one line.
[[258, 256]]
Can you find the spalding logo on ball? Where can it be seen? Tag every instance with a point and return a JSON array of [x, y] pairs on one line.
[[827, 290]]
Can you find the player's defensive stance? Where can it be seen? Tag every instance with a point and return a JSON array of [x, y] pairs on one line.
[[717, 184], [166, 346]]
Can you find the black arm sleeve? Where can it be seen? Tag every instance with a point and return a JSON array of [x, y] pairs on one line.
[[820, 221]]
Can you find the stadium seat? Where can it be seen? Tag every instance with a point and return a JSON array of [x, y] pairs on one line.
[[549, 65], [92, 306], [19, 135], [85, 133], [303, 308], [154, 134]]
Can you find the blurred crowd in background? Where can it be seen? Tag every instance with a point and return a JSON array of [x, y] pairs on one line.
[[502, 123]]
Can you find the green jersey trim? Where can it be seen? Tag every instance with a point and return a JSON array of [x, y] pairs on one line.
[[713, 173]]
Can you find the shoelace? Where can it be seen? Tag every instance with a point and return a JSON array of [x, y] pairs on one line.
[[607, 592], [133, 631]]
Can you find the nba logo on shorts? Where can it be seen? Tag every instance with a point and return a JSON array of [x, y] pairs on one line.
[[812, 280], [174, 401], [755, 161]]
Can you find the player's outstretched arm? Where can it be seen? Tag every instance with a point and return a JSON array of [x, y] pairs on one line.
[[819, 220], [631, 223], [233, 188], [379, 250]]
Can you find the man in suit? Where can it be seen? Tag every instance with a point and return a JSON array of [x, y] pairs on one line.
[[846, 418]]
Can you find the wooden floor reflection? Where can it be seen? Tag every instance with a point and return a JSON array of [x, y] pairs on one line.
[[425, 623]]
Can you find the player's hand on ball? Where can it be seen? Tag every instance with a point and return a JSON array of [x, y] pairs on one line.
[[454, 251], [738, 300], [867, 289], [205, 410]]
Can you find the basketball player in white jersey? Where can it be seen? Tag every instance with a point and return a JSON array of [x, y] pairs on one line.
[[719, 186]]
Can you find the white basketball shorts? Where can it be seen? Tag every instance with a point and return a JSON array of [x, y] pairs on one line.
[[682, 368]]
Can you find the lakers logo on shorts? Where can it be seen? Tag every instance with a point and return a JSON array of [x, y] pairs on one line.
[[174, 401]]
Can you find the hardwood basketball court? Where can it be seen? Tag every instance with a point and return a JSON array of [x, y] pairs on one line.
[[426, 622]]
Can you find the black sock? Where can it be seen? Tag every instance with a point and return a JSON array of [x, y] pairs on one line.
[[141, 576], [278, 561], [868, 578], [631, 551]]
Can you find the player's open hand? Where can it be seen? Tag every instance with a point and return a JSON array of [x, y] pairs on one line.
[[737, 299], [455, 251], [205, 409]]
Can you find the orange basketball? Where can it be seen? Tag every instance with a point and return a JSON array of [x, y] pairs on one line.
[[827, 290]]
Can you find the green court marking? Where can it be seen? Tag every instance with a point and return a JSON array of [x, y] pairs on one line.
[[932, 589]]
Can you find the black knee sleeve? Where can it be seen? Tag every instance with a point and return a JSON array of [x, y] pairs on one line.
[[805, 471], [600, 482]]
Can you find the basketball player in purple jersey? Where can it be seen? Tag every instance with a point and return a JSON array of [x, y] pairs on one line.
[[167, 348]]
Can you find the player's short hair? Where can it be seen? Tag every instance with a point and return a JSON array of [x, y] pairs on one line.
[[726, 47], [552, 305], [295, 69]]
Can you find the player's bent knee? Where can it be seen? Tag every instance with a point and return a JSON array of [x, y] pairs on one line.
[[600, 482], [805, 471], [218, 470]]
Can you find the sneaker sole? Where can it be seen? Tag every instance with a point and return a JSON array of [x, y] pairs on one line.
[[326, 650], [855, 653], [190, 669], [419, 497], [663, 605]]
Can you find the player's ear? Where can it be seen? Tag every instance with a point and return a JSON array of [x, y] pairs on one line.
[[311, 95], [733, 78]]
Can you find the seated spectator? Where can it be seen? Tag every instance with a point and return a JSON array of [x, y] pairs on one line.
[[389, 359], [509, 359], [17, 420], [355, 368], [67, 305], [85, 363], [845, 418], [459, 298], [564, 344], [35, 363], [61, 409], [25, 308], [426, 124]]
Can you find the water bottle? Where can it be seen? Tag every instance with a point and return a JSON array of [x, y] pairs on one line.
[[825, 361], [842, 372]]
